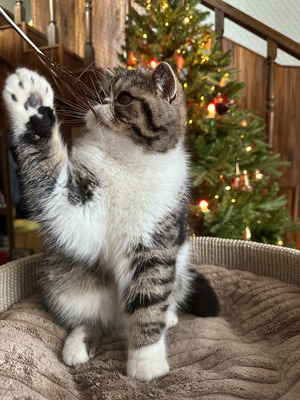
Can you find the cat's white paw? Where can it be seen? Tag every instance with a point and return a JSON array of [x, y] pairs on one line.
[[24, 92], [147, 363], [80, 346], [172, 319]]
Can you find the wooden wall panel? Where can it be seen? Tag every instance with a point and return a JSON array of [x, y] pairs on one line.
[[253, 71]]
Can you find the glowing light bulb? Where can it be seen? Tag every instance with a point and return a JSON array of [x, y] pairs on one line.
[[211, 108], [153, 63], [203, 205]]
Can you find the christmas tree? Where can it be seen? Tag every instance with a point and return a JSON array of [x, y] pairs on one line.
[[233, 174]]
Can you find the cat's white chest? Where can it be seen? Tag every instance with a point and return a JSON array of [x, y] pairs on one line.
[[126, 206], [137, 198]]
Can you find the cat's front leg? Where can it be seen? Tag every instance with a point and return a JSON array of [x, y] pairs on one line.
[[147, 304], [148, 362], [29, 101], [80, 345]]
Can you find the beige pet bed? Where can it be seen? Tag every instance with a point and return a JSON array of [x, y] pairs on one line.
[[251, 351]]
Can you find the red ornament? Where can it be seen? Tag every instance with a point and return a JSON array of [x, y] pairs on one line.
[[221, 98], [221, 101]]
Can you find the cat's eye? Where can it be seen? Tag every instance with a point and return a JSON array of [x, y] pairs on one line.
[[125, 98]]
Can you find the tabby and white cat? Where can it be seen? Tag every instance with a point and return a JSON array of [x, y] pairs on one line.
[[115, 212]]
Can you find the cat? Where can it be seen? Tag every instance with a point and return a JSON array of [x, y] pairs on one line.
[[115, 212]]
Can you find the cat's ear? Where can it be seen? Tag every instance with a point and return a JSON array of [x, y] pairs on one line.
[[165, 80]]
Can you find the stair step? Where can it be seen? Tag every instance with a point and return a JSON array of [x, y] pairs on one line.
[[58, 53]]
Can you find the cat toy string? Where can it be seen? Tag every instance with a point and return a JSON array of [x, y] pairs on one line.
[[60, 74]]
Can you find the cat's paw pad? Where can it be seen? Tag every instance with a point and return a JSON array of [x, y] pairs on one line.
[[78, 349], [24, 93]]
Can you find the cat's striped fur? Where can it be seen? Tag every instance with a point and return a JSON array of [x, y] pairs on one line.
[[115, 212]]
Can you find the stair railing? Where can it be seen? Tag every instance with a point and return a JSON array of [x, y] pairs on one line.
[[52, 31], [89, 52], [274, 40], [19, 12]]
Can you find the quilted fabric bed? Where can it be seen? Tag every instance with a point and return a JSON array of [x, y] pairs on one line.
[[250, 351]]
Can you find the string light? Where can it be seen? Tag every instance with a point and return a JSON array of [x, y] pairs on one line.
[[211, 108], [145, 36], [248, 148], [203, 205], [186, 20], [228, 188], [217, 196], [153, 63]]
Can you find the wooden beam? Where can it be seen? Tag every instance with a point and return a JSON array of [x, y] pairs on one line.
[[19, 12], [219, 24], [89, 52], [270, 104], [52, 31]]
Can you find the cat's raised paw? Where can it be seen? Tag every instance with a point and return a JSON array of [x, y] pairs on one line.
[[24, 93]]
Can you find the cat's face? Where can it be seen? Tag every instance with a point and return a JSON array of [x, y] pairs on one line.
[[144, 105]]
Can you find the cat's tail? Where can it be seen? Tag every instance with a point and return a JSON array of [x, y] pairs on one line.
[[201, 300]]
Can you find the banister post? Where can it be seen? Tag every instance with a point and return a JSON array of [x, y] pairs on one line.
[[52, 30], [219, 24], [19, 12], [89, 52], [270, 103]]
